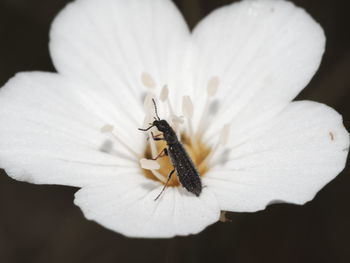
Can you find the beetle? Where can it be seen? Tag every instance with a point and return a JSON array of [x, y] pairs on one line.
[[183, 165]]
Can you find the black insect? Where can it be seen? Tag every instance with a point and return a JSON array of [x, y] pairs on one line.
[[183, 165]]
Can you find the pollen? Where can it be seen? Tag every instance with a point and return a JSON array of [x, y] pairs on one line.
[[197, 153]]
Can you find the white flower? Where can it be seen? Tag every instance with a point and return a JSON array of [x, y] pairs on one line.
[[239, 70]]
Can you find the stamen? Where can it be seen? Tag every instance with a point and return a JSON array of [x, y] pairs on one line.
[[148, 102], [187, 107], [164, 97], [176, 121], [149, 164], [152, 165], [187, 110], [224, 134], [109, 129], [213, 85], [148, 81], [153, 144], [149, 119], [164, 93], [159, 176], [225, 131]]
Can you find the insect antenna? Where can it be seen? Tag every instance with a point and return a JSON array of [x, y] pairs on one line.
[[155, 109]]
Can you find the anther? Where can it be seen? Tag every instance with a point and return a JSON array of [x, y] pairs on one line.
[[152, 165], [176, 121], [148, 81], [107, 128], [149, 164], [213, 85], [164, 93]]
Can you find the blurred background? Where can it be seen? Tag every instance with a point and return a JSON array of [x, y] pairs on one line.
[[41, 224]]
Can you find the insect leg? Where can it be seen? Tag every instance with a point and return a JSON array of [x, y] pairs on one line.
[[166, 184], [163, 153], [155, 137], [158, 139]]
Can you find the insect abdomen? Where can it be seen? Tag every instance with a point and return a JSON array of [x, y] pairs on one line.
[[185, 169]]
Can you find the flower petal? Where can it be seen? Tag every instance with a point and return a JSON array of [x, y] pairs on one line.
[[50, 135], [264, 53], [128, 207], [295, 155], [110, 43]]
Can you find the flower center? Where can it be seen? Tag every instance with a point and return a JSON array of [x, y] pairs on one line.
[[156, 165], [198, 153]]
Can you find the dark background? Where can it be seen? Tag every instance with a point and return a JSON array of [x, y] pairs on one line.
[[41, 224]]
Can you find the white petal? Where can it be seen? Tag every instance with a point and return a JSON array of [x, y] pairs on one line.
[[297, 154], [128, 207], [264, 53], [112, 43], [49, 134]]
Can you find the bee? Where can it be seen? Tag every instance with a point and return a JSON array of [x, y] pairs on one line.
[[183, 165]]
